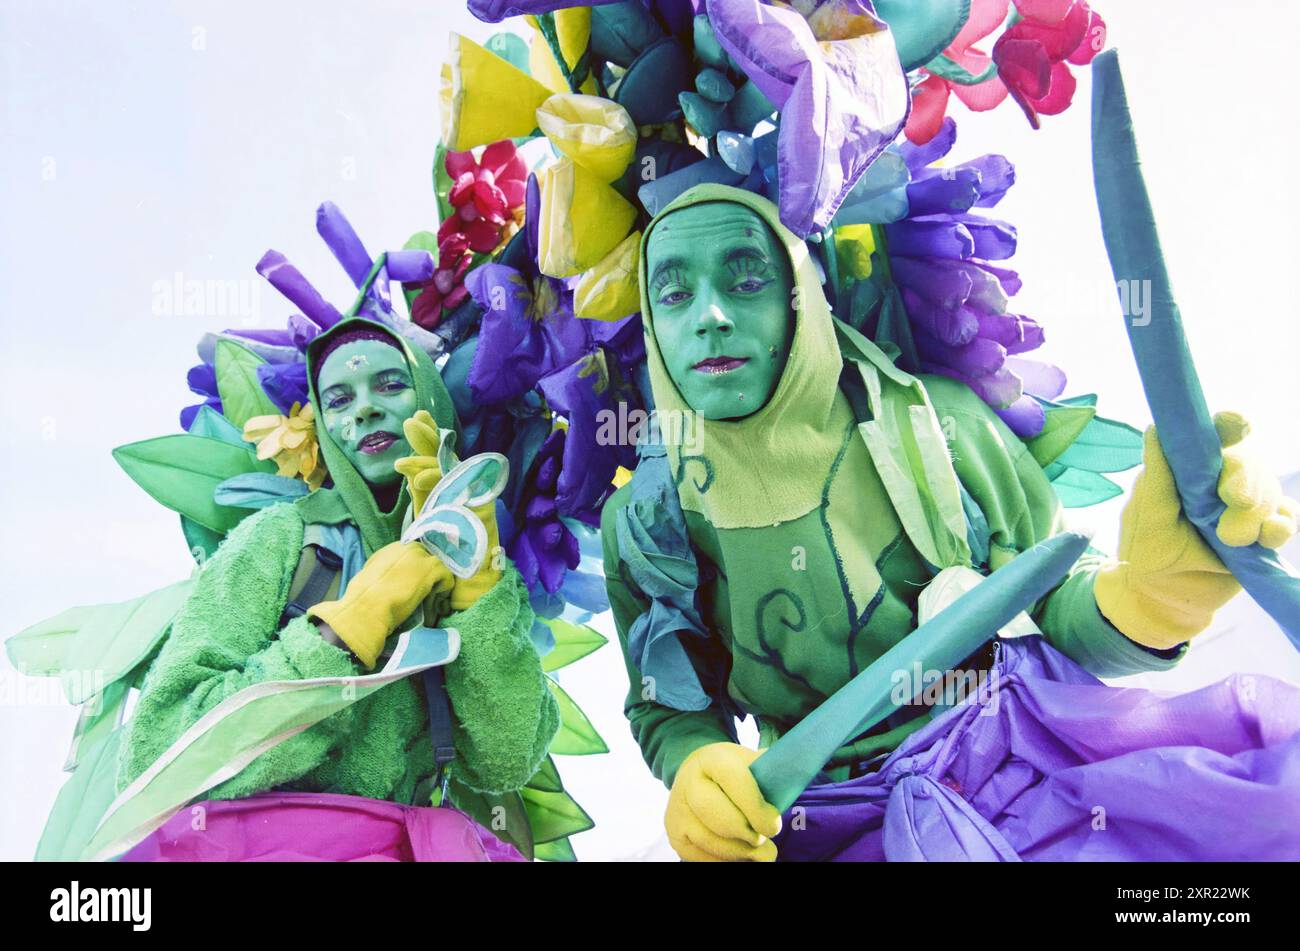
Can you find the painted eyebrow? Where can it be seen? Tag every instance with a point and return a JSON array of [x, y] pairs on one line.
[[338, 389], [747, 253], [664, 267]]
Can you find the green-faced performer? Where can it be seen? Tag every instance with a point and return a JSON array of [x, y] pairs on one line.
[[259, 611], [765, 555]]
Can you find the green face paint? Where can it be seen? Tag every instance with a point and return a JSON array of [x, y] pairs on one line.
[[366, 394], [722, 307]]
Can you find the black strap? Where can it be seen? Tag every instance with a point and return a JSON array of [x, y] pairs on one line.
[[327, 565], [444, 751]]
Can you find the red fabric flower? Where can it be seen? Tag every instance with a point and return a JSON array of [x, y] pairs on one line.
[[447, 289], [485, 192], [1031, 56]]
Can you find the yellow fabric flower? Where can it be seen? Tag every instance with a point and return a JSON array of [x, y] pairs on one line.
[[573, 30], [485, 99], [582, 219], [609, 290], [596, 133], [291, 441]]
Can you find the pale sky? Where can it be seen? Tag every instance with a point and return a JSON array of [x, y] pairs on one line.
[[141, 141]]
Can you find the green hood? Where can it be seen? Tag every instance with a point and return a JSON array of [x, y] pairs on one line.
[[350, 499], [768, 467]]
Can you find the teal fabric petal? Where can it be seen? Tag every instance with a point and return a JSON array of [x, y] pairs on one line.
[[923, 29], [257, 490]]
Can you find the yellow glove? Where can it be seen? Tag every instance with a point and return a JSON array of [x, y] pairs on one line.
[[385, 592], [716, 812], [421, 470], [1168, 582], [469, 590]]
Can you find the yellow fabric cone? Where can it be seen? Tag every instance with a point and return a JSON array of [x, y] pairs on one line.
[[485, 99], [581, 220], [609, 290], [596, 133], [573, 27]]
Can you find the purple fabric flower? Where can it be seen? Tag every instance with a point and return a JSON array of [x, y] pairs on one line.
[[956, 299], [544, 550], [842, 100]]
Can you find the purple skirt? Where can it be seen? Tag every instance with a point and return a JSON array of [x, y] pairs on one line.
[[1050, 764], [319, 827]]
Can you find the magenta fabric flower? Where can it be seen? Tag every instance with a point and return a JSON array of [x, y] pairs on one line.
[[447, 288], [485, 193], [930, 98], [1033, 56]]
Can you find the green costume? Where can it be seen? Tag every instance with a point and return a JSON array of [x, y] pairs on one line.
[[228, 636], [815, 523]]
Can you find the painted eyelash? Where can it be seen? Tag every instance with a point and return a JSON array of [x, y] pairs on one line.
[[748, 267], [673, 276]]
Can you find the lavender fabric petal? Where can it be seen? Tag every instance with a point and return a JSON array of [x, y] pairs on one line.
[[202, 380], [999, 389], [343, 242], [994, 240], [509, 357], [1201, 776], [588, 468], [919, 157], [946, 192], [947, 287], [842, 102], [954, 327], [997, 175], [409, 267], [986, 290], [284, 383], [1018, 334], [303, 331], [1010, 280], [930, 237], [273, 336], [1025, 417], [975, 359], [494, 11], [1041, 379], [288, 280]]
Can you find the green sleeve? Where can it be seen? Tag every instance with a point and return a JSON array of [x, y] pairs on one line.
[[1022, 509], [505, 714], [227, 637], [666, 736]]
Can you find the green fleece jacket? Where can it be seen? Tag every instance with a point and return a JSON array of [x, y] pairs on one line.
[[227, 637], [810, 565]]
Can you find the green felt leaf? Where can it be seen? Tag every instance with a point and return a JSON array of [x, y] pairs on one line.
[[442, 183], [203, 542], [572, 643], [38, 650], [208, 422], [505, 815], [1106, 445], [954, 72], [1079, 489], [554, 816], [81, 803], [577, 737], [242, 396], [181, 472], [1063, 426], [547, 778], [558, 851]]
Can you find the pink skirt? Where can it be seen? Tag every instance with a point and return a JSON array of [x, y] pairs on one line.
[[319, 827]]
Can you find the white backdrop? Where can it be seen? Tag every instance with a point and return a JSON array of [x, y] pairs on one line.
[[149, 140]]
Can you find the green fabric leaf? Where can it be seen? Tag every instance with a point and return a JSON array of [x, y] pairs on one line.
[[572, 643], [512, 48], [208, 422], [558, 851], [1106, 445], [1063, 426], [547, 778], [38, 651], [442, 184], [577, 737], [202, 542], [1079, 489], [242, 396], [554, 815], [923, 28], [505, 816], [181, 472], [952, 71], [81, 803]]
